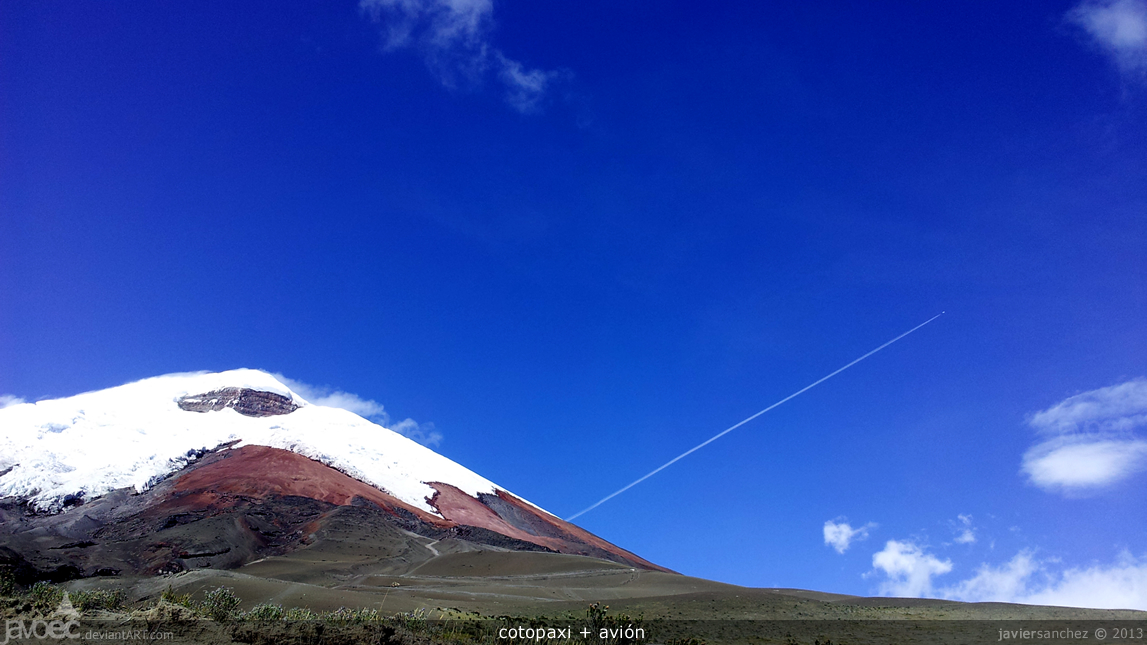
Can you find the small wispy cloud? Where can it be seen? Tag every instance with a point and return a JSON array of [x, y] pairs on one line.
[[965, 531], [840, 535], [908, 569], [367, 408], [7, 400], [526, 88], [1119, 29], [1090, 439], [453, 37], [423, 433]]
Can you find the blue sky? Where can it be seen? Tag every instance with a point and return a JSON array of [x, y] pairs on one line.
[[581, 238]]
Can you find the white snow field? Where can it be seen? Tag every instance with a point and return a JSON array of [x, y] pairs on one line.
[[136, 434]]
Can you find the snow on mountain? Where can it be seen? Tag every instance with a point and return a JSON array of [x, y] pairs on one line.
[[136, 434]]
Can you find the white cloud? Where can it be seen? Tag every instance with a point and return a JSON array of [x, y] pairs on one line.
[[525, 88], [445, 23], [1003, 584], [909, 569], [453, 37], [1024, 579], [334, 399], [1119, 28], [1090, 439], [1108, 409], [8, 400], [423, 433], [966, 532], [1122, 585], [1078, 464], [840, 535]]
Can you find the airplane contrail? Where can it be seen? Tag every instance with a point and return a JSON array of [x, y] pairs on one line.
[[741, 423]]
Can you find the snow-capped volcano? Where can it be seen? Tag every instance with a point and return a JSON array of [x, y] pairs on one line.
[[134, 435], [221, 469]]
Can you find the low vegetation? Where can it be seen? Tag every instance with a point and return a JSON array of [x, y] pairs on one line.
[[221, 606], [45, 596], [7, 584], [98, 599]]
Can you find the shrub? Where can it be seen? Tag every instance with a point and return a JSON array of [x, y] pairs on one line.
[[412, 620], [46, 596], [598, 619], [98, 599], [182, 599], [299, 613], [345, 616], [220, 604], [265, 611], [7, 583]]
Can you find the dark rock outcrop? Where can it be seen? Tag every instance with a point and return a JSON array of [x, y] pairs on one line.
[[245, 401]]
